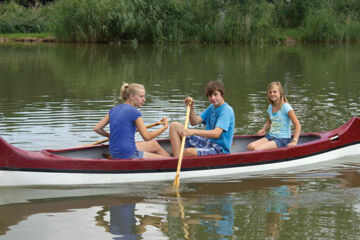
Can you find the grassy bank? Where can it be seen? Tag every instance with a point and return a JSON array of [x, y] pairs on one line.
[[25, 35], [168, 21]]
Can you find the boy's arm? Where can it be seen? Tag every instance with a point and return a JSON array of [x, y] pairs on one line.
[[223, 123], [193, 118], [214, 133]]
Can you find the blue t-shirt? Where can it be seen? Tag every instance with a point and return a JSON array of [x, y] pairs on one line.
[[280, 121], [224, 118], [123, 222], [122, 130]]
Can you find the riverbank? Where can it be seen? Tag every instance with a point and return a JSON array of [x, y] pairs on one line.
[[188, 21], [27, 39], [289, 41], [38, 38]]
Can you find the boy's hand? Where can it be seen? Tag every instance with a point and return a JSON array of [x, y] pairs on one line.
[[187, 132], [189, 101]]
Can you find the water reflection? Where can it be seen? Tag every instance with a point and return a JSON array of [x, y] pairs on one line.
[[254, 208], [127, 221], [279, 208], [219, 218]]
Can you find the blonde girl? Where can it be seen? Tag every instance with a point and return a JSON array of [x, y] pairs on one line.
[[281, 115], [124, 119]]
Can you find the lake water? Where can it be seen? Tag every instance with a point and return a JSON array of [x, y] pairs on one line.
[[52, 95]]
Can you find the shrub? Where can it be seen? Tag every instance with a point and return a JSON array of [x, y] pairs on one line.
[[323, 25], [18, 19]]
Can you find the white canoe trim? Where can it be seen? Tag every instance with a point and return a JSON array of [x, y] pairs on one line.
[[37, 178]]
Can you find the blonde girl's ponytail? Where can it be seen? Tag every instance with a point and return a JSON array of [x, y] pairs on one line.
[[123, 91], [128, 89]]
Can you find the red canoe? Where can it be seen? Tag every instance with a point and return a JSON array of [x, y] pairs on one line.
[[87, 166]]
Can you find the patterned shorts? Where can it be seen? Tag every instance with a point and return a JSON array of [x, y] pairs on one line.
[[203, 146]]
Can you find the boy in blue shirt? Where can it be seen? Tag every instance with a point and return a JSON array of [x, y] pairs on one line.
[[219, 119]]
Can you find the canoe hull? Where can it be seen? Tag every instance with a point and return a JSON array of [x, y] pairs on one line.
[[22, 178], [56, 167]]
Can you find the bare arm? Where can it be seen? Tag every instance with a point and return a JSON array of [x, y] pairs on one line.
[[146, 135], [215, 133], [267, 126], [99, 128], [297, 126], [194, 119]]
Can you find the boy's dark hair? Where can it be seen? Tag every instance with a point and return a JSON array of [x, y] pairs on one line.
[[213, 86]]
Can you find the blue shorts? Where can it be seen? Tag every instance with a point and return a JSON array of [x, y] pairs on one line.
[[280, 142], [136, 155], [203, 146]]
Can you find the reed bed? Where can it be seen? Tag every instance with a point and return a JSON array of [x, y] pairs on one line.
[[178, 21]]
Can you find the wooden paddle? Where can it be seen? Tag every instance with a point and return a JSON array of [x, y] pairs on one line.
[[107, 139], [181, 154], [182, 214]]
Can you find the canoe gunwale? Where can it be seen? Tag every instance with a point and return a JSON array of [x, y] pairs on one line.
[[13, 159]]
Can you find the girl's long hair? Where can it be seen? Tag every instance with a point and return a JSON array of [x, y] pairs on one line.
[[281, 90]]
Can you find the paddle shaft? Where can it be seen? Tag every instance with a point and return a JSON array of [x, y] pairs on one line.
[[182, 214], [107, 139], [181, 154]]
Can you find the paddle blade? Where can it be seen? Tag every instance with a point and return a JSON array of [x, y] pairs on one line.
[[176, 182]]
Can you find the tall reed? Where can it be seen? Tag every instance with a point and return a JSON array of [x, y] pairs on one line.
[[164, 21], [168, 21]]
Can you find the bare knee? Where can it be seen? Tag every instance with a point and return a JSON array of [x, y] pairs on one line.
[[154, 144], [254, 147], [175, 125], [250, 147], [190, 152]]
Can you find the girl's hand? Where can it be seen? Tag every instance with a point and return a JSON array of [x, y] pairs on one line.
[[293, 143], [261, 132], [165, 122]]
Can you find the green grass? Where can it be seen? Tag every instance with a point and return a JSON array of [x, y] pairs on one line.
[[23, 35]]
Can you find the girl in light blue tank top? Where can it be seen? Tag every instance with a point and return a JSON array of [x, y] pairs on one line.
[[280, 117]]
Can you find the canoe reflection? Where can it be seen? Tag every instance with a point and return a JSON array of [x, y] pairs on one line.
[[129, 220], [279, 208], [204, 209]]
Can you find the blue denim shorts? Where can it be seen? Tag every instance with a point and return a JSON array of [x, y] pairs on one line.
[[137, 154], [280, 142], [203, 145]]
